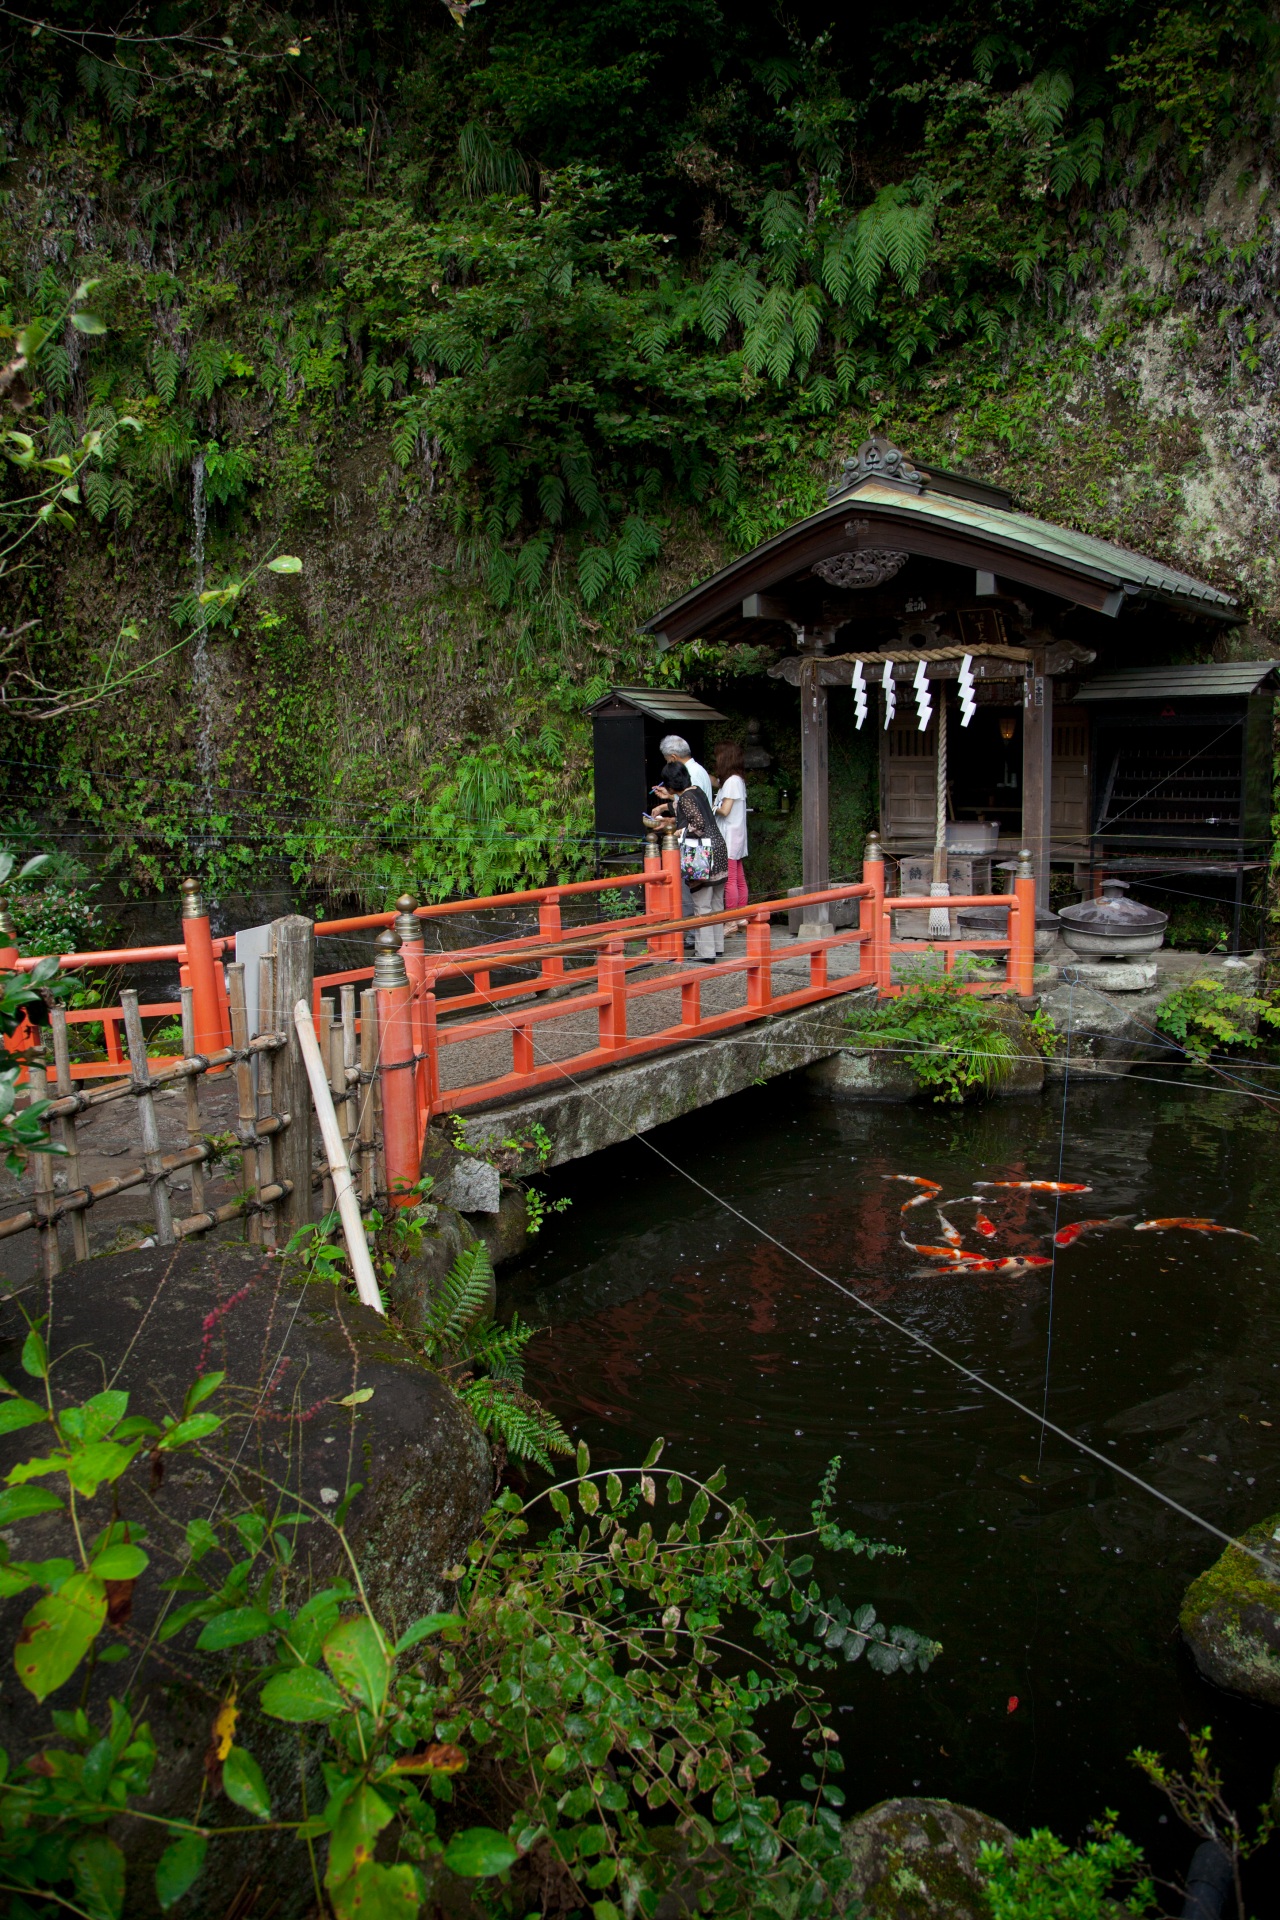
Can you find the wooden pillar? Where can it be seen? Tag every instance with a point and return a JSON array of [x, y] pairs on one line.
[[1037, 771], [816, 872], [293, 943]]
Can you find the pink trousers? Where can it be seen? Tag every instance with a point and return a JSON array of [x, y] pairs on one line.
[[735, 887]]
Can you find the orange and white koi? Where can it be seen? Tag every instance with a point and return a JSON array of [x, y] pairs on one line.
[[914, 1180], [952, 1235], [920, 1200], [987, 1228], [1068, 1235], [1009, 1263], [1191, 1225], [948, 1254], [1037, 1186]]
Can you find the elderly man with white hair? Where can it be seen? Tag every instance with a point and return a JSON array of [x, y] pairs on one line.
[[675, 747]]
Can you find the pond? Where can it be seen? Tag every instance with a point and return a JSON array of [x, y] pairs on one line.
[[1050, 1581]]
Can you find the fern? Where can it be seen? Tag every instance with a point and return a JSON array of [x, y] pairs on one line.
[[595, 570], [462, 1300], [526, 1428], [500, 1350]]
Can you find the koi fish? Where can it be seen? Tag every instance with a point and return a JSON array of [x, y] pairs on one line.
[[1192, 1226], [913, 1180], [1010, 1263], [1037, 1186], [948, 1254], [920, 1200], [1068, 1235], [952, 1235], [987, 1228]]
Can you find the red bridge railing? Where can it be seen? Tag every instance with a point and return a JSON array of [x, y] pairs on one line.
[[412, 1010]]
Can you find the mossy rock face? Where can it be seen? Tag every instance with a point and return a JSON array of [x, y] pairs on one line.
[[918, 1860], [1230, 1616]]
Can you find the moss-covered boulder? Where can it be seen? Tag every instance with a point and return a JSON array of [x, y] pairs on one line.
[[918, 1860], [1230, 1616]]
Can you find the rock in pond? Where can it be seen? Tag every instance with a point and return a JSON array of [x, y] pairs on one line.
[[1230, 1616], [320, 1395], [918, 1860]]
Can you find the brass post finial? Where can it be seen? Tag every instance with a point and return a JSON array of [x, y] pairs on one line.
[[406, 925], [651, 846], [1025, 869], [193, 907], [873, 850], [669, 841], [388, 967]]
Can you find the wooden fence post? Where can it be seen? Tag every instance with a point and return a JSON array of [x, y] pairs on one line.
[[871, 911], [212, 1029], [413, 952], [549, 928], [293, 947], [1023, 951], [395, 1070], [671, 871]]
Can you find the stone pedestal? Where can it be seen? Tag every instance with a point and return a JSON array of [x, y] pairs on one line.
[[1111, 976]]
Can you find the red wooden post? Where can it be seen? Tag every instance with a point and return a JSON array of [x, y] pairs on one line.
[[655, 888], [521, 1050], [1022, 954], [413, 953], [431, 1047], [671, 873], [759, 971], [549, 929], [613, 981], [691, 1004], [395, 1073], [212, 1028], [871, 907]]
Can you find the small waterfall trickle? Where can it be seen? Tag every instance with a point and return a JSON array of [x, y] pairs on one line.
[[202, 690], [201, 671]]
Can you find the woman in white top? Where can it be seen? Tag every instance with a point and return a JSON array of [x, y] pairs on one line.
[[731, 808]]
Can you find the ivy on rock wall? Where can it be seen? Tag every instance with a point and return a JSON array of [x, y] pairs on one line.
[[513, 330]]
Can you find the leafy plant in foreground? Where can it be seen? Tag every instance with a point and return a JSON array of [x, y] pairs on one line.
[[585, 1679], [1198, 1799], [1042, 1879]]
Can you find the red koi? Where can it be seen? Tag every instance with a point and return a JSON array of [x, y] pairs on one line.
[[1192, 1226], [1068, 1235], [1037, 1186], [987, 1228]]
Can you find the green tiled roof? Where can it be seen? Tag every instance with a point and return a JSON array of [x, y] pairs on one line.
[[1098, 560]]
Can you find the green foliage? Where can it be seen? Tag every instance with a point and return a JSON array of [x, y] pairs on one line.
[[1045, 1880], [577, 1680], [1207, 1014], [949, 1039], [566, 307], [485, 1361]]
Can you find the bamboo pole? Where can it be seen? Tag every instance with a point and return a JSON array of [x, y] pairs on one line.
[[344, 1191], [42, 1170], [66, 1124], [246, 1107], [368, 1095], [191, 1095], [267, 1017], [141, 1074]]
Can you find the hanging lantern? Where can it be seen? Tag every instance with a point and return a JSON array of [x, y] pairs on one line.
[[890, 697], [968, 700], [859, 694], [924, 705]]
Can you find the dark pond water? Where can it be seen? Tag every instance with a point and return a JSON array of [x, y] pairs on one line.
[[1046, 1577]]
